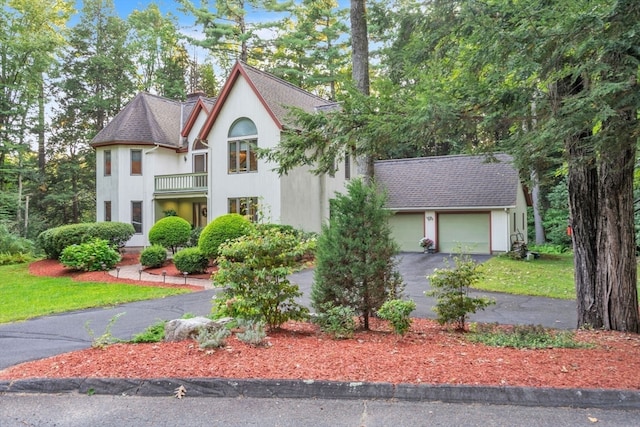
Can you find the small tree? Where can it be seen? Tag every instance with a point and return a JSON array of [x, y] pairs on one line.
[[253, 269], [355, 264], [170, 232], [451, 288]]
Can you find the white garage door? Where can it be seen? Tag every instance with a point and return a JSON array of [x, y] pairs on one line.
[[469, 231], [407, 230]]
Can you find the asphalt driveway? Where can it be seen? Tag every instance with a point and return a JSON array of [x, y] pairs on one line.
[[51, 335]]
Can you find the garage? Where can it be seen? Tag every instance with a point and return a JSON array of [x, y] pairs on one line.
[[469, 231], [407, 229]]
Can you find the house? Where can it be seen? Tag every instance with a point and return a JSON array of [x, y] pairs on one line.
[[476, 203], [198, 158]]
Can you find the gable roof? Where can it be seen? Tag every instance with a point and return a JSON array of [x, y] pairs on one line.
[[146, 120], [273, 93], [449, 182], [192, 109]]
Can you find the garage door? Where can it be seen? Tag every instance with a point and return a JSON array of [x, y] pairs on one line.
[[407, 230], [469, 231]]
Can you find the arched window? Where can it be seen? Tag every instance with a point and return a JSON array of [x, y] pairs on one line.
[[243, 139]]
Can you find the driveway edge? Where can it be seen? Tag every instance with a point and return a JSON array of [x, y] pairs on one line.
[[291, 389]]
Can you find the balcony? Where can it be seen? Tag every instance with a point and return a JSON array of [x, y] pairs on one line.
[[185, 183]]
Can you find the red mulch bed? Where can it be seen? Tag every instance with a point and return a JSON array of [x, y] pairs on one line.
[[428, 354]]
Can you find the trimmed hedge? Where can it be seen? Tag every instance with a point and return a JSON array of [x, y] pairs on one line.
[[54, 240], [153, 256], [170, 232], [191, 260], [221, 229]]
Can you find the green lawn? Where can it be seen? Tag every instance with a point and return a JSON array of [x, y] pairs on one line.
[[547, 276], [23, 296]]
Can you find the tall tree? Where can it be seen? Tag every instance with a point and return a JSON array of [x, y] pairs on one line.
[[228, 35], [160, 55], [311, 48]]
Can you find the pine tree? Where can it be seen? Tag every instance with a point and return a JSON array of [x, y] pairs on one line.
[[355, 257]]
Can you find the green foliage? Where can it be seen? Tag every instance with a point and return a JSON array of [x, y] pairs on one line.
[[170, 232], [355, 261], [253, 332], [451, 288], [92, 256], [221, 229], [154, 333], [19, 258], [337, 321], [191, 260], [154, 256], [54, 240], [397, 312], [194, 237], [556, 217], [253, 269], [523, 336], [212, 337], [106, 339], [12, 244]]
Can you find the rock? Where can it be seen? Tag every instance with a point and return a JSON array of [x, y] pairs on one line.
[[182, 329]]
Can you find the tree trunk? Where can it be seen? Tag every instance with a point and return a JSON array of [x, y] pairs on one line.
[[540, 237], [41, 123], [617, 271], [360, 64]]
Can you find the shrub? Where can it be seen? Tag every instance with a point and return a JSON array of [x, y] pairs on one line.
[[154, 333], [19, 258], [253, 270], [194, 237], [170, 232], [524, 336], [253, 332], [54, 240], [12, 244], [397, 312], [221, 229], [116, 233], [451, 288], [191, 260], [213, 337], [337, 321], [91, 256], [153, 256]]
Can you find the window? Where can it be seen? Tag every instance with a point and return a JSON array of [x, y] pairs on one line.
[[247, 206], [136, 216], [136, 162], [107, 162], [200, 163], [107, 211], [242, 144]]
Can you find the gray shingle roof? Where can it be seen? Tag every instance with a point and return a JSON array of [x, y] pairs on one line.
[[449, 182], [280, 94], [147, 119]]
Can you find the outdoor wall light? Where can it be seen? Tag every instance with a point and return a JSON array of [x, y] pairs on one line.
[[429, 218]]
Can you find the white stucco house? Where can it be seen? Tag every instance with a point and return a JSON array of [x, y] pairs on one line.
[[197, 158]]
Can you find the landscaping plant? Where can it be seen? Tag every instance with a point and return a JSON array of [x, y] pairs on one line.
[[96, 255], [451, 288], [154, 256], [54, 240], [170, 232], [337, 321], [396, 312], [254, 270], [191, 260], [221, 229], [355, 261]]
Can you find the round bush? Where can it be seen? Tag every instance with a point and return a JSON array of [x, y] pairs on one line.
[[170, 232], [95, 255], [191, 260], [153, 256], [221, 229]]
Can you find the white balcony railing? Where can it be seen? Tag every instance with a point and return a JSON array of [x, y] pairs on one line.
[[181, 183]]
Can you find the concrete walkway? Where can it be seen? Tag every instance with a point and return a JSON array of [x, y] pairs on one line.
[[136, 272]]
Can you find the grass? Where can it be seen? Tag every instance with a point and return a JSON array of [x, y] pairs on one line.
[[548, 276], [25, 296]]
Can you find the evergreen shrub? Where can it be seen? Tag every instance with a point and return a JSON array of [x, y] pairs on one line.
[[191, 260], [170, 232], [154, 256], [221, 229], [54, 240]]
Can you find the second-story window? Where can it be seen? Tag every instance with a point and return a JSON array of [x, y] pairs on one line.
[[107, 162], [243, 139], [200, 163], [136, 162]]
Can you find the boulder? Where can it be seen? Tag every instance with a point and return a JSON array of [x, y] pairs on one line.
[[182, 329]]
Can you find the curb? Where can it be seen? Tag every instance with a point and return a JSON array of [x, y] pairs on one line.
[[311, 389]]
